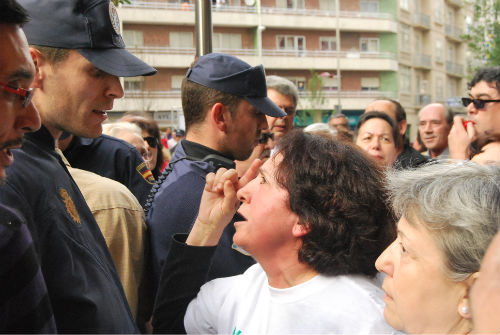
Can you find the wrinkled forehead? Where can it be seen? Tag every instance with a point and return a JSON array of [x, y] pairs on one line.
[[15, 58]]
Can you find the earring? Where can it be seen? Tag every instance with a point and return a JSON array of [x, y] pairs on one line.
[[465, 310]]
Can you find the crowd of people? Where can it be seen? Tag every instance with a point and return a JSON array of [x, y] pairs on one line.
[[239, 223]]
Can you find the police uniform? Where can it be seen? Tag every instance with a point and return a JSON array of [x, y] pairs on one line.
[[24, 302], [112, 158], [175, 208], [82, 282]]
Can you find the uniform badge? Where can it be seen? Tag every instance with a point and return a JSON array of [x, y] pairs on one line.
[[70, 205], [145, 173], [113, 16]]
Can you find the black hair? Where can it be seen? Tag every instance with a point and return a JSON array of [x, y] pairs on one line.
[[487, 74], [12, 12], [380, 115]]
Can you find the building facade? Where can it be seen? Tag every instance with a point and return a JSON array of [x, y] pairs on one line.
[[406, 50]]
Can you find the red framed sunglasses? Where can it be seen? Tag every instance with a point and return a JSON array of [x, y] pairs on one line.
[[23, 94]]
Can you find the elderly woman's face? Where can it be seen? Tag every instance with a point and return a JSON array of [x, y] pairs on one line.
[[419, 297], [265, 206], [375, 137]]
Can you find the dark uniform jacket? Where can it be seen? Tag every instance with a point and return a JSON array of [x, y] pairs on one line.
[[112, 158], [24, 301], [175, 208], [82, 282], [410, 158]]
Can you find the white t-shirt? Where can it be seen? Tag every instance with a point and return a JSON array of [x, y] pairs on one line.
[[246, 304]]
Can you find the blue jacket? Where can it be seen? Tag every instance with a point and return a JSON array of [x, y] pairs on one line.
[[82, 282], [174, 210]]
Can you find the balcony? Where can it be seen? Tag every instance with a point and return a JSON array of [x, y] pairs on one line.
[[155, 101], [244, 16], [454, 69], [456, 3], [422, 61], [167, 57], [422, 99], [453, 32], [422, 21]]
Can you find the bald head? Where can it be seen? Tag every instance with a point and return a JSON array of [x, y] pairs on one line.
[[391, 108]]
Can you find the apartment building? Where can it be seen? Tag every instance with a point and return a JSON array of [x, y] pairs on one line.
[[402, 49]]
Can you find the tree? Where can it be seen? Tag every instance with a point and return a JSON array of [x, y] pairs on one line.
[[483, 34], [316, 98]]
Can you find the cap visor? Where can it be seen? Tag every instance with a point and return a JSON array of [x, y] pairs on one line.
[[266, 106], [118, 62]]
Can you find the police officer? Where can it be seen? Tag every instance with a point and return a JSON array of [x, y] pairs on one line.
[[79, 55], [224, 102]]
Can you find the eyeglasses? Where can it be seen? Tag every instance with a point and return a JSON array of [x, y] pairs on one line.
[[478, 103], [23, 94], [152, 142], [265, 136]]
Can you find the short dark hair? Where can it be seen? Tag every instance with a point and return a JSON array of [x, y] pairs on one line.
[[53, 55], [380, 115], [337, 192], [196, 99], [12, 13], [398, 109], [487, 74]]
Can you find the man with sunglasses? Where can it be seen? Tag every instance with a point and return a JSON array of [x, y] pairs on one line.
[[24, 302], [483, 110], [79, 55]]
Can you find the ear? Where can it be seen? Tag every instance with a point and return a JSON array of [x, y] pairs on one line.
[[300, 230], [402, 127], [219, 116], [39, 61], [464, 306]]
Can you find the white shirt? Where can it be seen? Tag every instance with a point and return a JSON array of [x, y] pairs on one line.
[[246, 304]]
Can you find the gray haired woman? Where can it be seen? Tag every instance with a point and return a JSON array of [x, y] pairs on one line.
[[448, 214]]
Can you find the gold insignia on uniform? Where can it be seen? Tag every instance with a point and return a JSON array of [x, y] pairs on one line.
[[145, 173], [113, 16], [70, 205]]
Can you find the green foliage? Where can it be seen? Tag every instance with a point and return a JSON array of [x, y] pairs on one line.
[[116, 2], [316, 98], [483, 36]]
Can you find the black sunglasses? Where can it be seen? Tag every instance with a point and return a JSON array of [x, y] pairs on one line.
[[152, 142], [265, 136], [478, 103]]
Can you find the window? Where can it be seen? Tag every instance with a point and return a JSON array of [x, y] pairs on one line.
[[438, 11], [226, 41], [181, 39], [330, 84], [405, 35], [370, 6], [439, 89], [133, 83], [370, 84], [450, 54], [404, 4], [452, 88], [287, 42], [405, 79], [369, 44], [328, 43], [290, 4], [300, 82], [439, 51], [327, 5], [133, 38], [418, 41], [176, 82]]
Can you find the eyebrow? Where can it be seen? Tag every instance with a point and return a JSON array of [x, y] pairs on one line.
[[480, 95], [20, 74]]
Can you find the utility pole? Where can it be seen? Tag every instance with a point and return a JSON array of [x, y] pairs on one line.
[[203, 26]]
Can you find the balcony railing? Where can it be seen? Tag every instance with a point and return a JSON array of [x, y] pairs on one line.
[[453, 31], [453, 68], [265, 52], [421, 60], [252, 9], [302, 94], [422, 20]]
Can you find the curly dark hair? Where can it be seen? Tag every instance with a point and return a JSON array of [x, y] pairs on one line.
[[338, 193], [487, 74]]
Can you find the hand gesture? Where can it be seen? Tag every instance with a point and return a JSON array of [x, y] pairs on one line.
[[460, 138]]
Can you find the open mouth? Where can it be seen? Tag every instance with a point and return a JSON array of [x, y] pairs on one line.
[[239, 217]]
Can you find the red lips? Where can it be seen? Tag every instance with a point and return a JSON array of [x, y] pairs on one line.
[[466, 122]]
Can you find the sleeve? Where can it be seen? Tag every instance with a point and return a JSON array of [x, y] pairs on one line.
[[184, 272]]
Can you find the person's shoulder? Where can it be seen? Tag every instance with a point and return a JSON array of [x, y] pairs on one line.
[[112, 142]]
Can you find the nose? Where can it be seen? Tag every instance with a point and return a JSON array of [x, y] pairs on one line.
[[262, 122], [384, 261], [115, 89], [427, 127], [471, 109], [375, 144], [28, 119]]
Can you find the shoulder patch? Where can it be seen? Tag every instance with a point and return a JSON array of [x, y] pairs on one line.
[[145, 173], [70, 205]]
